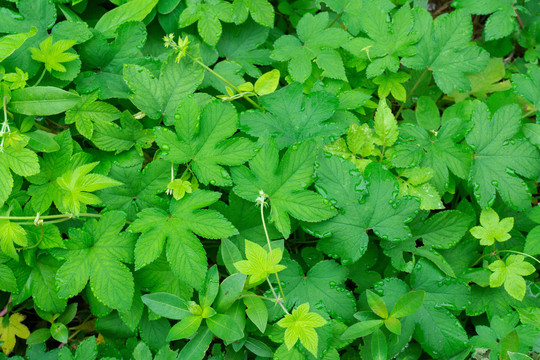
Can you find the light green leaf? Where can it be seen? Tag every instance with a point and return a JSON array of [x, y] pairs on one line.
[[491, 228], [301, 324], [511, 273], [185, 328], [135, 10], [10, 43], [167, 305], [259, 264], [386, 128], [42, 100]]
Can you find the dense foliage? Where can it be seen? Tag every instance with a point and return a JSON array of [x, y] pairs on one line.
[[254, 179]]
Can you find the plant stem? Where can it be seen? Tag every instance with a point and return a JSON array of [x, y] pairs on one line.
[[520, 253], [270, 249], [335, 20], [40, 77], [411, 92], [207, 68], [276, 296]]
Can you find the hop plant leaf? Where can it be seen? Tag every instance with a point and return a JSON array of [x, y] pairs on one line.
[[208, 14], [511, 273], [284, 184], [53, 55], [501, 158], [97, 252], [203, 138], [178, 227], [77, 186], [301, 324], [491, 228], [11, 233], [14, 328], [260, 263]]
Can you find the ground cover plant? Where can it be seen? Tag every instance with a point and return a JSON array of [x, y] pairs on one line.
[[256, 179]]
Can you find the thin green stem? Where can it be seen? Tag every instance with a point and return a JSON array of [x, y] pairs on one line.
[[529, 113], [36, 244], [40, 77], [234, 87], [278, 300], [48, 217], [520, 253], [411, 92], [270, 249]]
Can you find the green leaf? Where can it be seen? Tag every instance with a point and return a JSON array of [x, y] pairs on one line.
[[427, 113], [160, 97], [267, 83], [10, 43], [322, 286], [377, 305], [208, 14], [197, 346], [443, 153], [374, 207], [261, 11], [491, 228], [445, 50], [229, 291], [140, 188], [179, 225], [243, 45], [259, 264], [527, 86], [9, 283], [185, 328], [391, 83], [510, 273], [21, 161], [59, 332], [110, 59], [408, 304], [257, 312], [225, 327], [434, 326], [385, 126], [110, 137], [11, 233], [97, 252], [135, 10], [387, 42], [379, 347], [500, 23], [88, 112], [361, 329], [53, 55], [42, 100], [532, 243], [315, 42], [500, 158], [284, 184], [167, 305], [292, 117], [203, 139], [301, 324], [77, 185]]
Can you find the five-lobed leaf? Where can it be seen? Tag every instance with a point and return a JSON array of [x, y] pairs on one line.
[[284, 183], [491, 228], [510, 273], [177, 227], [204, 139]]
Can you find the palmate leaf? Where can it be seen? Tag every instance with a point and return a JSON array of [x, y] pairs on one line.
[[500, 158], [202, 138], [322, 287], [284, 183], [178, 227], [292, 117], [97, 252], [110, 58], [110, 137], [160, 97], [208, 14], [387, 41], [374, 207], [315, 41], [89, 112], [139, 189], [445, 50]]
